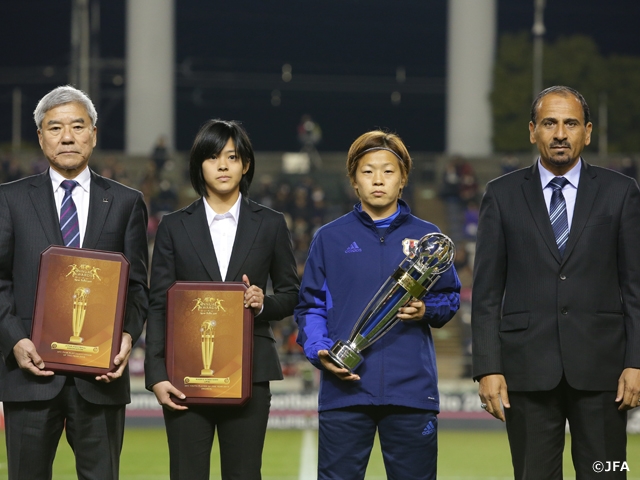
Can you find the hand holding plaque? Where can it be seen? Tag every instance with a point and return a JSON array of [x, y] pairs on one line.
[[417, 274]]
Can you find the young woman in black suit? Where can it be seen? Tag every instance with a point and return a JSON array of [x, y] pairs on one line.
[[222, 236]]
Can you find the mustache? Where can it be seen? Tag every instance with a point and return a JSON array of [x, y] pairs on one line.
[[559, 144]]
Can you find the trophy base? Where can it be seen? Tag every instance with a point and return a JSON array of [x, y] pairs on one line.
[[205, 372], [75, 339], [345, 356]]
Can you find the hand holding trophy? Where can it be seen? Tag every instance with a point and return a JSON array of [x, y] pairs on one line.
[[417, 274]]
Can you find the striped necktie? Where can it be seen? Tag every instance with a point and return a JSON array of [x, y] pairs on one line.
[[69, 216], [558, 213]]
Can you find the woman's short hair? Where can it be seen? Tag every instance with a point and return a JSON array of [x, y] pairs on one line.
[[378, 140], [210, 141], [60, 96]]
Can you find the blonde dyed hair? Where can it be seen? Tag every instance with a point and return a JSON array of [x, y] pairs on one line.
[[374, 141]]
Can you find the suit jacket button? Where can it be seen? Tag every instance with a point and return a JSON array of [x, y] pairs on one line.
[[563, 277], [564, 311]]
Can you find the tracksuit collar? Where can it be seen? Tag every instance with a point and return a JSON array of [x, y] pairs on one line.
[[400, 216]]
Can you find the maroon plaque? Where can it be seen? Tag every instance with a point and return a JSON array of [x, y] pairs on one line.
[[79, 309], [209, 343]]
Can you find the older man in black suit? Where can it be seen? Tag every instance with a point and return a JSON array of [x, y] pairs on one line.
[[556, 299], [70, 205]]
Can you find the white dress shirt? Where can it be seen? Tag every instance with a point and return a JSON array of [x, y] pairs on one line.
[[569, 191], [223, 227], [80, 196]]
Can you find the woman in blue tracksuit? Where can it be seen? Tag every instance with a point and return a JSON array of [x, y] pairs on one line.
[[394, 391]]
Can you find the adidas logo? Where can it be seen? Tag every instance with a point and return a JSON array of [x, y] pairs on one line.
[[429, 429], [353, 248]]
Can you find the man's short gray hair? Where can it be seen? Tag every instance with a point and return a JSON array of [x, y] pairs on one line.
[[60, 96]]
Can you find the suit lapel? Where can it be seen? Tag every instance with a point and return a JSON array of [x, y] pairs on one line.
[[532, 190], [195, 223], [44, 204], [248, 226], [100, 200], [587, 192]]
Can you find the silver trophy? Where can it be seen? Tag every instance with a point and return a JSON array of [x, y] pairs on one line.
[[427, 260]]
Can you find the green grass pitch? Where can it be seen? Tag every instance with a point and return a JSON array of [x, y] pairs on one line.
[[463, 455]]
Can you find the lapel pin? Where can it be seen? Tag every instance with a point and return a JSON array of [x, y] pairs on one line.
[[105, 200]]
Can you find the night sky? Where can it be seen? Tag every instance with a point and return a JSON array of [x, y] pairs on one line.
[[369, 39]]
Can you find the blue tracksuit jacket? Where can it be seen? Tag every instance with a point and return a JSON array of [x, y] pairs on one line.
[[348, 262]]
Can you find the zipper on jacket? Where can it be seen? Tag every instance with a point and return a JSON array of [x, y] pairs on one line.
[[382, 360]]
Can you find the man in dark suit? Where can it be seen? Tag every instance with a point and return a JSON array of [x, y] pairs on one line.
[[70, 205], [556, 304]]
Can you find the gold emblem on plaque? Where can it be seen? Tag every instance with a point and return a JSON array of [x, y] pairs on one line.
[[207, 339], [83, 272], [207, 306], [79, 312]]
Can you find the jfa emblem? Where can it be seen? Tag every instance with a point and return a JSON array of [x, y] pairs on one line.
[[409, 246]]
